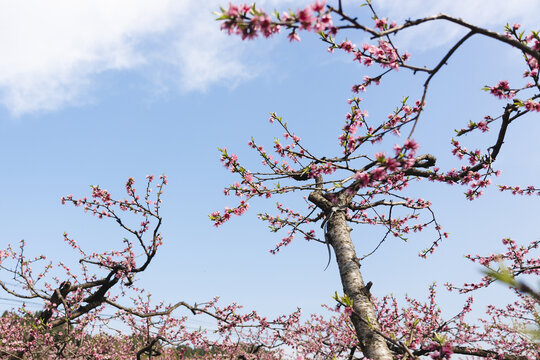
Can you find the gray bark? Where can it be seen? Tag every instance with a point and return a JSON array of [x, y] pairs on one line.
[[372, 344]]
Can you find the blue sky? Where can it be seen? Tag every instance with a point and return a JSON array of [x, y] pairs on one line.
[[96, 92]]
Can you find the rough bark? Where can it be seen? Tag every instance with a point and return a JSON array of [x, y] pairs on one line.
[[372, 344]]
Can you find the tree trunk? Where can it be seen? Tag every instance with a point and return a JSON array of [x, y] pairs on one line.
[[372, 344]]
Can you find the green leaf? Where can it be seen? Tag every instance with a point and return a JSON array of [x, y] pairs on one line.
[[439, 338], [503, 274], [518, 102], [347, 300], [222, 17]]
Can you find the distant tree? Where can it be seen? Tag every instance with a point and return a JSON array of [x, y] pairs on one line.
[[73, 323]]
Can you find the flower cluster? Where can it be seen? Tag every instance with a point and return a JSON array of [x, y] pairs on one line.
[[248, 21]]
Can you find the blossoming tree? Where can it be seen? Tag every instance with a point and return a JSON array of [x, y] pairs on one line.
[[358, 186], [74, 323], [363, 186]]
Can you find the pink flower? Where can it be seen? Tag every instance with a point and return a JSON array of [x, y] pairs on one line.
[[482, 125], [412, 145], [378, 174], [293, 36], [362, 177], [318, 6], [233, 10], [502, 90], [409, 162], [392, 164], [405, 56], [532, 106], [347, 46], [357, 88], [380, 156], [306, 18], [447, 350], [381, 23], [326, 21]]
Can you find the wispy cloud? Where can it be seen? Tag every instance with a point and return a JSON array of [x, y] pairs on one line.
[[205, 56], [52, 51]]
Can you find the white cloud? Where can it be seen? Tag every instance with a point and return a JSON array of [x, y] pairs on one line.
[[52, 50], [205, 56]]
